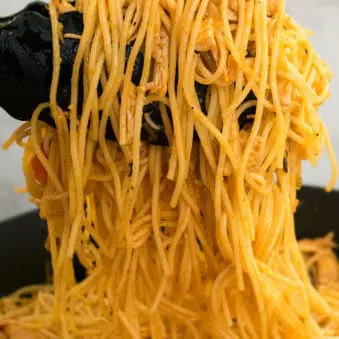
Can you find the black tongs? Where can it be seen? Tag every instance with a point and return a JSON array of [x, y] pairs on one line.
[[26, 60], [26, 63]]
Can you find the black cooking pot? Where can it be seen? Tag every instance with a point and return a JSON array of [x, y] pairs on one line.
[[23, 258]]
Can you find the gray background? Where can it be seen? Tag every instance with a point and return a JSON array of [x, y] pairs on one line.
[[322, 16]]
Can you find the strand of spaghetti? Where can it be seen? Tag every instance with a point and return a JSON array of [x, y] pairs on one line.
[[281, 134], [204, 121], [127, 325], [130, 307], [88, 106], [106, 34], [213, 78], [294, 76], [252, 74], [37, 149], [89, 28], [128, 75], [240, 60], [262, 50], [159, 295], [20, 130], [333, 159], [186, 56], [148, 24], [219, 175], [149, 16], [234, 224], [203, 73], [177, 154], [155, 155], [110, 164], [118, 61], [261, 57], [182, 222], [59, 118]]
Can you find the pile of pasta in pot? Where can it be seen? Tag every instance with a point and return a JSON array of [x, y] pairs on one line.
[[192, 238]]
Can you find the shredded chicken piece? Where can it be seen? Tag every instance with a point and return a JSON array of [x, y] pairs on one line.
[[18, 332], [160, 54], [207, 45], [206, 40], [230, 72], [253, 159], [130, 114], [285, 91]]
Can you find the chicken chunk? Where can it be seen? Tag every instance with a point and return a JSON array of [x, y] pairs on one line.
[[206, 40], [160, 54]]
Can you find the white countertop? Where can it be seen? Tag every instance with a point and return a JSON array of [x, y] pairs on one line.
[[322, 16]]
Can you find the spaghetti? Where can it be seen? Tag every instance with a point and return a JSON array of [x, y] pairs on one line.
[[194, 240]]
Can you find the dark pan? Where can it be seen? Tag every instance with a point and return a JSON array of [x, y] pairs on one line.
[[23, 258]]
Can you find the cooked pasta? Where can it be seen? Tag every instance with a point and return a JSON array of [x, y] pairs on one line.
[[195, 239]]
